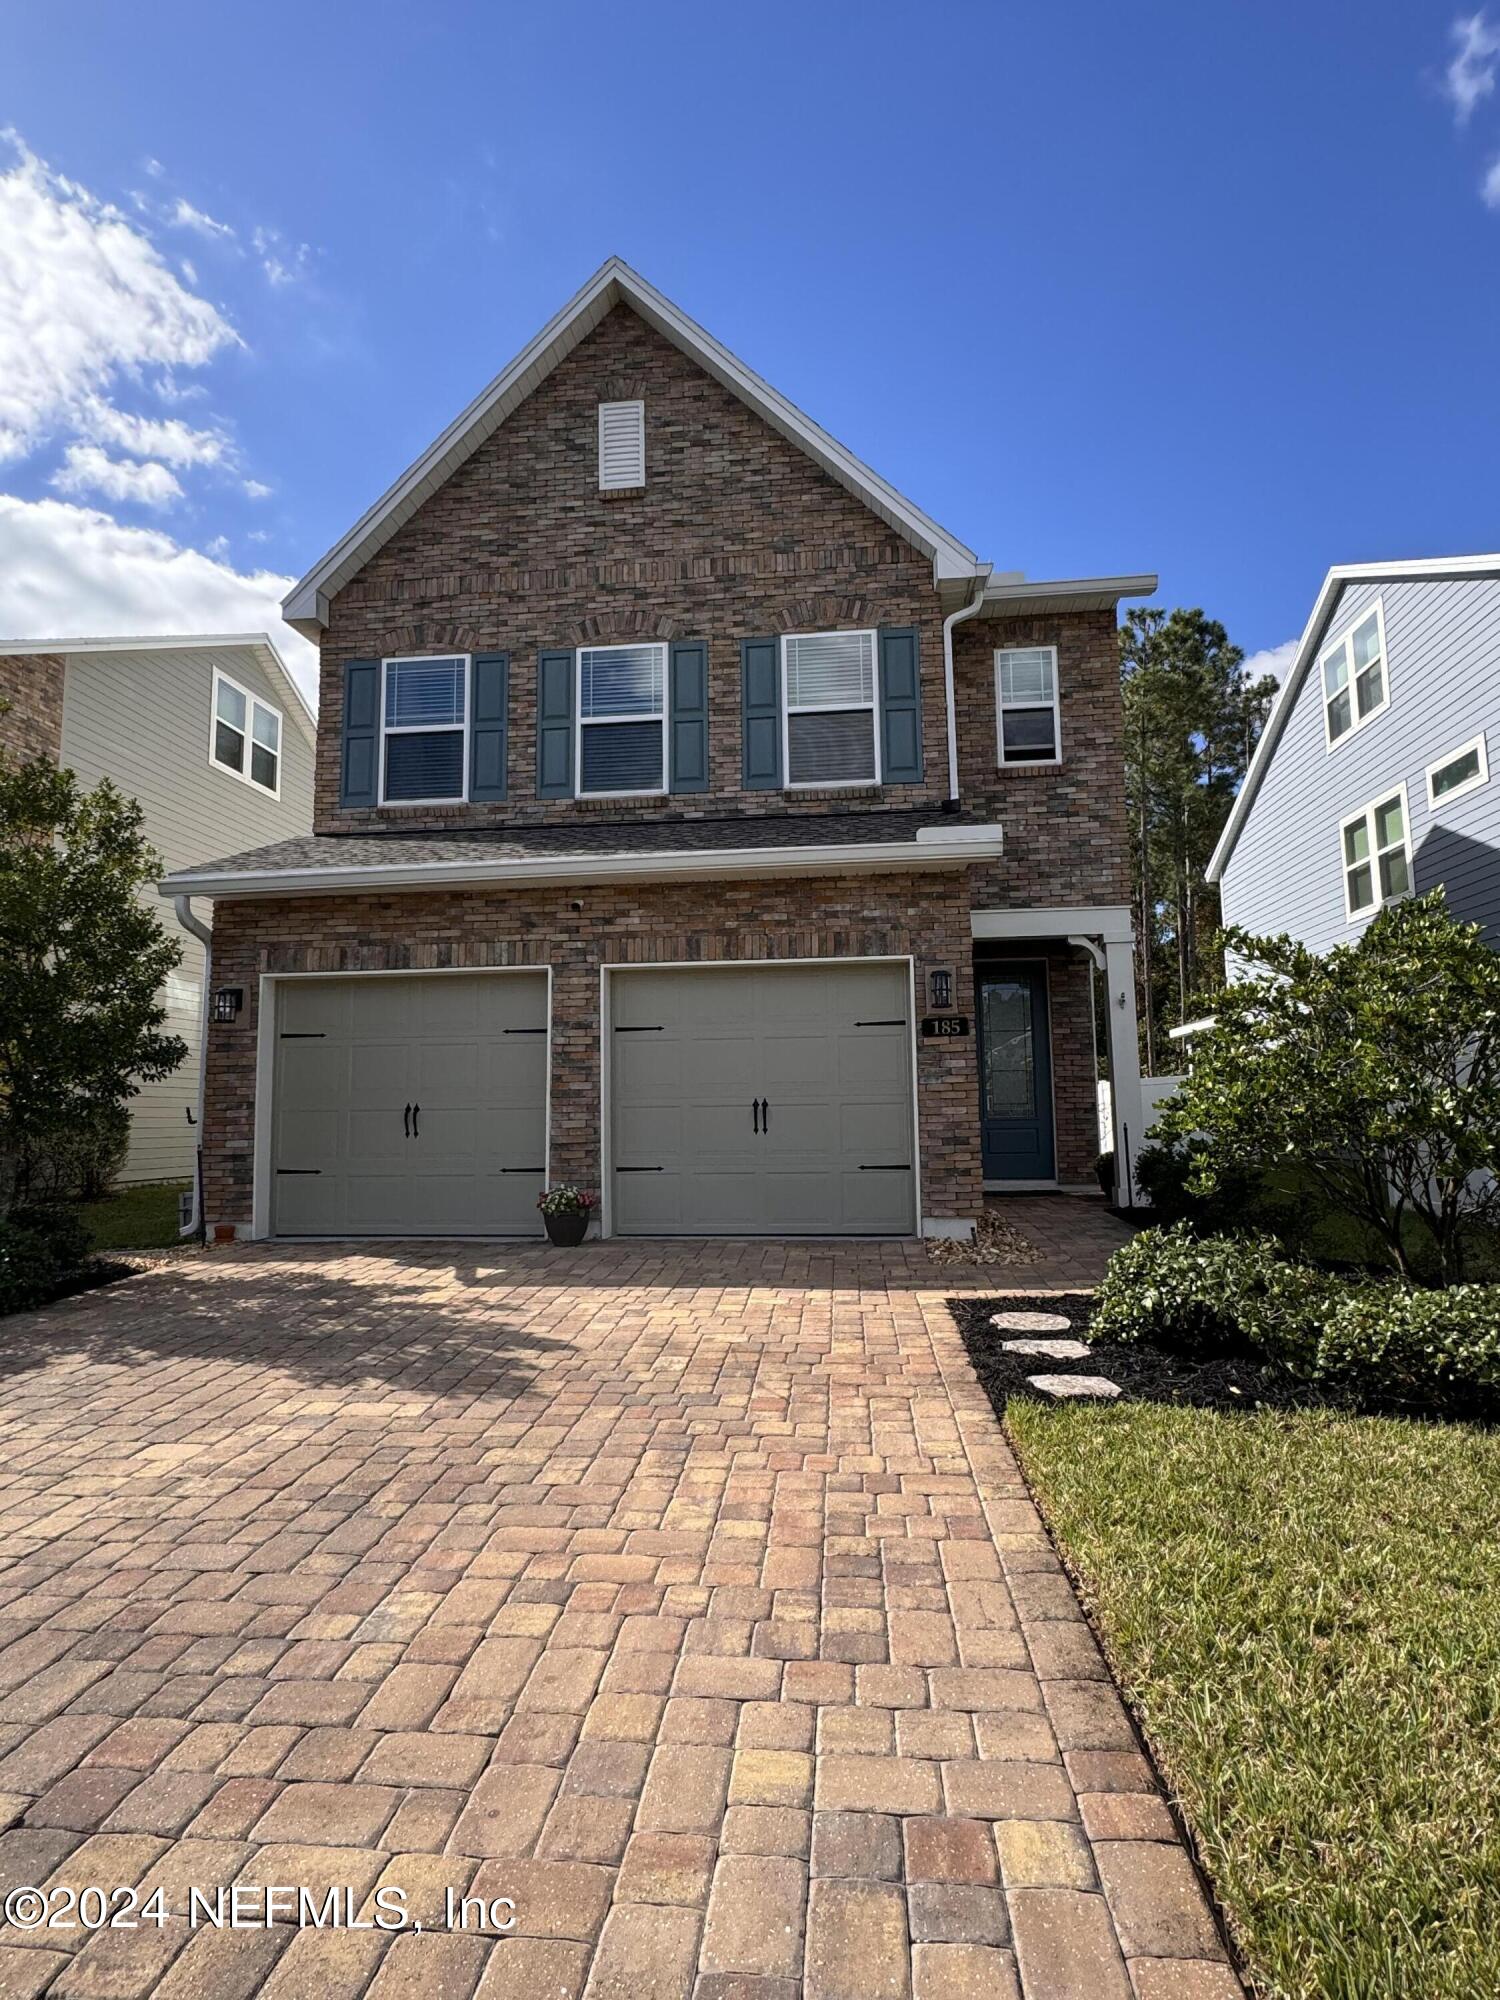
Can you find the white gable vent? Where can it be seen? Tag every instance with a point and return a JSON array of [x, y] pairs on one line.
[[622, 445]]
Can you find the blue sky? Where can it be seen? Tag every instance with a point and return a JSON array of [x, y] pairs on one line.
[[1210, 290]]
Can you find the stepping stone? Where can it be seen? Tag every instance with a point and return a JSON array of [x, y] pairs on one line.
[[1031, 1322], [1050, 1350], [1070, 1387]]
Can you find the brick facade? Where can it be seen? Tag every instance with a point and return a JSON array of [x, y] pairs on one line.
[[925, 916], [736, 535], [31, 705]]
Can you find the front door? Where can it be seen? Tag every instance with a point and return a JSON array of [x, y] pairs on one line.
[[1015, 1073]]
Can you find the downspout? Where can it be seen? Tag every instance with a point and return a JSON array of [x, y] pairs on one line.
[[183, 907], [956, 618]]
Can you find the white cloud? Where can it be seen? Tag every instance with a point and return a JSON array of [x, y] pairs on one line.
[[1489, 187], [1272, 660], [73, 572], [87, 469], [256, 489], [283, 263], [185, 216], [153, 437], [1470, 75], [86, 299]]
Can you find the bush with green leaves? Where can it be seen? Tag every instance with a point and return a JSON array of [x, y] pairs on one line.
[[1171, 1177], [39, 1248], [1203, 1295], [1371, 1073], [1419, 1345]]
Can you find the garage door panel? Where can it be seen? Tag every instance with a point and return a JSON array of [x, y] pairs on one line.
[[390, 1042], [838, 1096]]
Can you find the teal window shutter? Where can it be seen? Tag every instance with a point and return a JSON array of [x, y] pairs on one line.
[[900, 707], [359, 781], [760, 668], [554, 725], [488, 727], [688, 679]]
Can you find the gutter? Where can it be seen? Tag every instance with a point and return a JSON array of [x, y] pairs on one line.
[[183, 908], [981, 580], [933, 847]]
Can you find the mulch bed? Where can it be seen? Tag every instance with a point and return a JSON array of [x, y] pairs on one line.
[[1145, 1374]]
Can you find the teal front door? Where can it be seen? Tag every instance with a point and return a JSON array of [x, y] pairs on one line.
[[1015, 1072]]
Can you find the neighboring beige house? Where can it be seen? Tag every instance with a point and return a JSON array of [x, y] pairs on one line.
[[215, 740]]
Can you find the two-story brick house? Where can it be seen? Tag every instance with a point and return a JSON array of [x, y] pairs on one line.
[[685, 796]]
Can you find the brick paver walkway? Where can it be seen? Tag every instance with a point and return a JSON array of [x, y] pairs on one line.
[[686, 1595]]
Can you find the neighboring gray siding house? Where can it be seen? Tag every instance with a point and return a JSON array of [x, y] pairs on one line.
[[215, 740], [1373, 779]]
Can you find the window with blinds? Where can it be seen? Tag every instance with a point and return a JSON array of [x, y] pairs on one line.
[[828, 683], [1026, 705], [622, 446], [424, 731], [622, 720]]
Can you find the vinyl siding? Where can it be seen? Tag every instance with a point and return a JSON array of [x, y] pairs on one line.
[[1443, 657], [142, 720]]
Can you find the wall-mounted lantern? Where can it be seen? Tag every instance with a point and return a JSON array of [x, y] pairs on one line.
[[940, 990], [227, 1002]]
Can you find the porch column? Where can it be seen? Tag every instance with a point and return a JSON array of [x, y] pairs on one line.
[[1124, 1061]]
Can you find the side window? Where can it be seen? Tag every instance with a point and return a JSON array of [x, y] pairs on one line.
[[424, 731], [1464, 771], [245, 735], [1376, 847], [1356, 682], [1027, 710], [829, 709]]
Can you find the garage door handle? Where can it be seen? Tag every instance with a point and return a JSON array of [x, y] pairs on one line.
[[406, 1121], [765, 1115], [416, 1114], [755, 1113]]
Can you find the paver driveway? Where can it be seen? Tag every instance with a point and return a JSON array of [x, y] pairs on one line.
[[687, 1596]]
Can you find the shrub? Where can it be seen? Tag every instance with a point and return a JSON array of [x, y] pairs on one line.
[[1416, 1344], [1171, 1176], [38, 1250], [1212, 1294], [78, 1160]]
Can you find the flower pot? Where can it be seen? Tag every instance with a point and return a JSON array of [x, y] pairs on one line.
[[567, 1227]]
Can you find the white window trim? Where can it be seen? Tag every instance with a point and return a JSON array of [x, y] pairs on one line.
[[427, 728], [1367, 817], [591, 721], [1003, 762], [623, 485], [1346, 638], [252, 702], [1481, 777], [830, 708]]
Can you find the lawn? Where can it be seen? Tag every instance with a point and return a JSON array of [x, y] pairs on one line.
[[1304, 1609], [135, 1218]]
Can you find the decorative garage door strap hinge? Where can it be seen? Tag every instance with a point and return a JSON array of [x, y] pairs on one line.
[[639, 1170], [895, 1167], [898, 1023], [299, 1170], [525, 1031]]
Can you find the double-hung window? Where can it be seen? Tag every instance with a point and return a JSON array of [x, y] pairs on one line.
[[424, 717], [828, 709], [1026, 705], [1356, 683], [622, 721], [246, 736], [1376, 855]]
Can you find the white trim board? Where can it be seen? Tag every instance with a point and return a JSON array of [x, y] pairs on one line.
[[1109, 921], [934, 847], [606, 1080], [614, 283], [265, 1076], [1309, 647]]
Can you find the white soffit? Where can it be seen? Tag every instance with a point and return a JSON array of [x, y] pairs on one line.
[[614, 283]]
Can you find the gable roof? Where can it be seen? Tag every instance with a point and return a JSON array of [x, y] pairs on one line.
[[614, 283], [1435, 568], [259, 643]]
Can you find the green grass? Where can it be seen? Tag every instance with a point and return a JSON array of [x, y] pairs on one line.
[[1305, 1611], [135, 1218]]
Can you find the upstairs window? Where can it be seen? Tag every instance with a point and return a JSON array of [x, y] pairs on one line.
[[246, 736], [622, 721], [1026, 705], [1356, 684], [1377, 855], [828, 710], [1465, 771], [622, 446], [424, 731]]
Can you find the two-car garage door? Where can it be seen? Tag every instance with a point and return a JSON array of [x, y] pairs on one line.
[[762, 1100], [743, 1100]]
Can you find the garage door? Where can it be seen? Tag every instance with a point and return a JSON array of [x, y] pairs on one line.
[[410, 1106], [774, 1100]]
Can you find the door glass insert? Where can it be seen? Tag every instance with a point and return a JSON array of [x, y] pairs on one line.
[[1009, 1049]]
